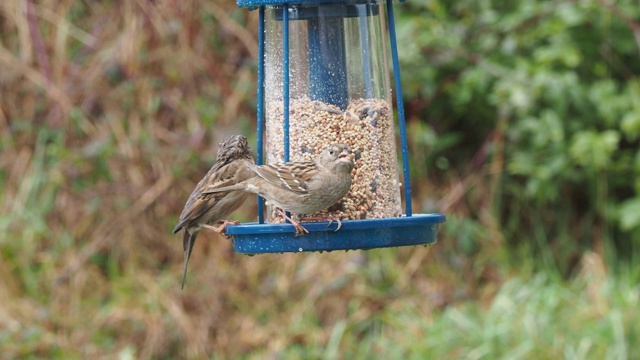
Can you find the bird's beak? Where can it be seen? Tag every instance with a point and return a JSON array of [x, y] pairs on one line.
[[344, 154]]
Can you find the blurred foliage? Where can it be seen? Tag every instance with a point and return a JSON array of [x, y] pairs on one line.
[[543, 98], [524, 123]]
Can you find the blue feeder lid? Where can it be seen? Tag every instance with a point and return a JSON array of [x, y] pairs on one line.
[[254, 238], [256, 3]]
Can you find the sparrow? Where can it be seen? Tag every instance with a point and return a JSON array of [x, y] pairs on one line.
[[301, 187], [203, 209]]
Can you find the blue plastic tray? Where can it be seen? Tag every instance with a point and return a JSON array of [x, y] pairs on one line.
[[254, 238]]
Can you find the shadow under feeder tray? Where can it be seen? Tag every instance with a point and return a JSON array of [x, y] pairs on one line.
[[255, 238]]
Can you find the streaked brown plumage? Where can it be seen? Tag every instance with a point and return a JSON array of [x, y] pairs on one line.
[[204, 209], [301, 187]]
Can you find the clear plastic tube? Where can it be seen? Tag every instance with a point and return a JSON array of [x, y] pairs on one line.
[[339, 92]]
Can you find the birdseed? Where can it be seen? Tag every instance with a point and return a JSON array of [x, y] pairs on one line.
[[366, 125]]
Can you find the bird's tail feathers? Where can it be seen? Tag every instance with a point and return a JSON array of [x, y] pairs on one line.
[[188, 240]]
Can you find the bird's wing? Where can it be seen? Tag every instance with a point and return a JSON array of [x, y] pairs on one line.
[[203, 196], [293, 176]]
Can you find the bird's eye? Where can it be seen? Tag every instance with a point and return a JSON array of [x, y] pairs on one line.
[[331, 152]]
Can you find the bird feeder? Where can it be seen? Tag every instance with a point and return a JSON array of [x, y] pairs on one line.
[[323, 78]]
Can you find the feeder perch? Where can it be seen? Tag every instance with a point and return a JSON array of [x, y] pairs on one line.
[[323, 78]]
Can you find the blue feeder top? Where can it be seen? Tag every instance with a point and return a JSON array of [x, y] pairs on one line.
[[256, 3]]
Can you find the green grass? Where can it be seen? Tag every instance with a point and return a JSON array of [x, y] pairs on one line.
[[537, 318], [540, 319]]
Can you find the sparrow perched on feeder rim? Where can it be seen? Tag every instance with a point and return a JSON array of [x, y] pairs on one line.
[[301, 187], [203, 209]]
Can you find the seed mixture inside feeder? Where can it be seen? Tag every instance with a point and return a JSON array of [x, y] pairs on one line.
[[366, 125]]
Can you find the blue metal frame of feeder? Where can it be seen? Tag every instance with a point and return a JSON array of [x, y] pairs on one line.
[[411, 229], [252, 4]]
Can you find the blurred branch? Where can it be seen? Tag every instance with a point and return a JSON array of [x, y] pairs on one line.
[[39, 79], [246, 38], [154, 16], [462, 186], [69, 29], [58, 21], [4, 122], [38, 44], [633, 25], [108, 230], [234, 100]]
